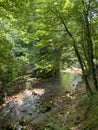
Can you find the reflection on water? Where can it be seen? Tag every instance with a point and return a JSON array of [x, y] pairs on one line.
[[70, 80]]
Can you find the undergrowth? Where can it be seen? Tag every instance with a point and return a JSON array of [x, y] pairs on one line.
[[87, 110]]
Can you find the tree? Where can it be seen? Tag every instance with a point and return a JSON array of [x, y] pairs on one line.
[[50, 29], [80, 13]]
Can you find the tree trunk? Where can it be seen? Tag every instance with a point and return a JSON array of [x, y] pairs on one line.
[[90, 45], [89, 90]]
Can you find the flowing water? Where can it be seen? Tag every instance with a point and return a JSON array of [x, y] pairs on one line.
[[27, 104], [70, 81]]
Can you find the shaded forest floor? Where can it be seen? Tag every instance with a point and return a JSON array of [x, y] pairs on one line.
[[55, 108]]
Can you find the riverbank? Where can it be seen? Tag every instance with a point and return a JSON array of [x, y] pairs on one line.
[[39, 102], [46, 105]]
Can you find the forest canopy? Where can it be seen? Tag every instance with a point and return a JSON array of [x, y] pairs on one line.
[[49, 34]]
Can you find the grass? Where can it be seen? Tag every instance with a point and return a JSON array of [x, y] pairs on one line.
[[87, 110]]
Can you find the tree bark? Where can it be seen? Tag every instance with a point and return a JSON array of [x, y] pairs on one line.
[[88, 88], [90, 45]]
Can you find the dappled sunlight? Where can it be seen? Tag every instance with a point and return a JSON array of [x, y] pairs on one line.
[[25, 103], [49, 65], [22, 95], [39, 91], [72, 70], [19, 97]]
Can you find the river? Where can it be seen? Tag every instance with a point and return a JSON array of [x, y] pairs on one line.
[[27, 104]]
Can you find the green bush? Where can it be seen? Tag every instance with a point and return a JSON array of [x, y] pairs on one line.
[[9, 66]]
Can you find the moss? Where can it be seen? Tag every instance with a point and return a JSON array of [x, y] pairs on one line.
[[23, 121]]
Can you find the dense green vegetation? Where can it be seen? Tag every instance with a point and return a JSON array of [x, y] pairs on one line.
[[51, 35]]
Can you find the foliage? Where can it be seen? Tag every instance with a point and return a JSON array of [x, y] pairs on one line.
[[89, 112], [10, 67], [52, 33], [91, 122]]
